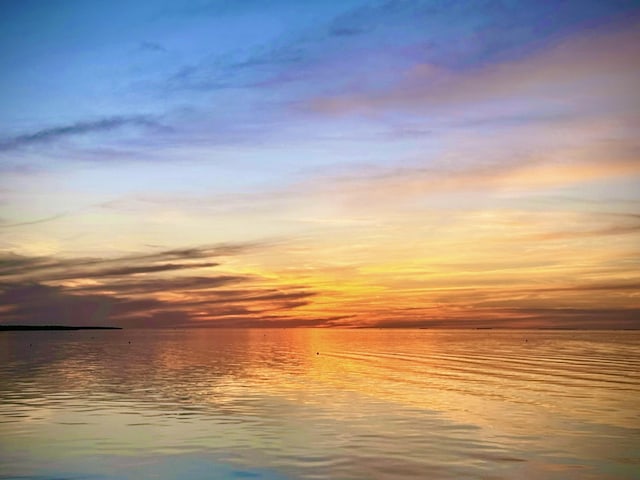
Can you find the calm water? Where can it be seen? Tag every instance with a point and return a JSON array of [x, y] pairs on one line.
[[373, 404]]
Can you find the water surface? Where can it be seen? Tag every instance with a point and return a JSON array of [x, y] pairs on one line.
[[319, 404]]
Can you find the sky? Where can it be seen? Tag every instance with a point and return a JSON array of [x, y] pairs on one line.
[[395, 163]]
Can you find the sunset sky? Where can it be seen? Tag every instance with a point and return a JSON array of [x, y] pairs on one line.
[[320, 163]]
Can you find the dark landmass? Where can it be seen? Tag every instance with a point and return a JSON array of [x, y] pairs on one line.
[[4, 328]]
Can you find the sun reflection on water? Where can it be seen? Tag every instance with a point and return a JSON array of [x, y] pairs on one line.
[[324, 403]]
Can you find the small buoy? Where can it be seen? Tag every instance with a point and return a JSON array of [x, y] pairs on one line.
[[129, 342], [317, 353]]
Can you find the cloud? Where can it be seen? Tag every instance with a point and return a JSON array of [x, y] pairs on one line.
[[34, 222], [464, 32], [620, 229], [49, 268], [581, 318], [124, 271], [346, 31], [270, 321], [34, 303], [598, 69], [470, 178], [152, 47], [535, 318], [200, 77], [190, 284], [456, 36], [138, 290], [596, 287], [37, 304], [371, 59], [79, 128], [254, 70]]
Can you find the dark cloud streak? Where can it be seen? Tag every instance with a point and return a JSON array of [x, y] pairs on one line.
[[79, 128], [123, 271], [35, 222], [135, 290], [189, 284], [49, 268], [152, 47]]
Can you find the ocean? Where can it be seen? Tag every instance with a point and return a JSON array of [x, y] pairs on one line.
[[319, 404]]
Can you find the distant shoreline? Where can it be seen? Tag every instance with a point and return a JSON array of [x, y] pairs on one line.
[[5, 328]]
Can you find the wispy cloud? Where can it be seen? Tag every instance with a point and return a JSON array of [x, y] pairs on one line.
[[534, 318], [27, 268], [152, 47], [457, 35], [50, 218], [79, 128], [553, 81]]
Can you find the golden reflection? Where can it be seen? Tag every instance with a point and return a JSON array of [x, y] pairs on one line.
[[467, 375], [303, 393]]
